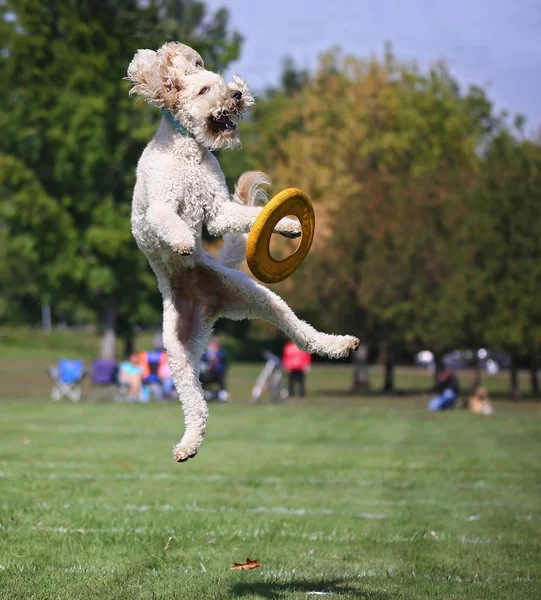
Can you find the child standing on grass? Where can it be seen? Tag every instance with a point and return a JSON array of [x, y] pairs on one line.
[[296, 363]]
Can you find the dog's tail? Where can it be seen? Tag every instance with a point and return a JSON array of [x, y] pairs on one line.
[[248, 191]]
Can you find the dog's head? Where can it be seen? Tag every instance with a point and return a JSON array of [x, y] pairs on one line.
[[174, 78]]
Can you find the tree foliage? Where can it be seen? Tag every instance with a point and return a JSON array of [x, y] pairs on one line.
[[503, 267], [427, 201], [404, 167], [73, 131]]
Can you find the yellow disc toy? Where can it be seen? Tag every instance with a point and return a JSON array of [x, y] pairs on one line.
[[288, 202]]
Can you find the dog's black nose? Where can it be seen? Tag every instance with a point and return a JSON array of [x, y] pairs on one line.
[[236, 95]]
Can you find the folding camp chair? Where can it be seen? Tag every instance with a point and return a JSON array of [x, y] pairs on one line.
[[104, 371], [67, 377], [270, 379]]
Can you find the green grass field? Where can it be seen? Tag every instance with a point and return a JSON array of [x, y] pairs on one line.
[[369, 498]]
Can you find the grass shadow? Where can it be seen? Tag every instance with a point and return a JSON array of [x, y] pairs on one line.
[[417, 392], [277, 591], [375, 393]]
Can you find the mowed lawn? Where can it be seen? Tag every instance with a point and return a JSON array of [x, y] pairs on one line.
[[370, 498]]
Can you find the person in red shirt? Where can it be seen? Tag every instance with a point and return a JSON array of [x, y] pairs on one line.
[[296, 363]]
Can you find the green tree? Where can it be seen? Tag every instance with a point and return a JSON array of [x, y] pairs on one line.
[[37, 244], [502, 266], [384, 151], [67, 117]]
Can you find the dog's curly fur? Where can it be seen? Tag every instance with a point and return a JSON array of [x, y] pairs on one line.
[[180, 187]]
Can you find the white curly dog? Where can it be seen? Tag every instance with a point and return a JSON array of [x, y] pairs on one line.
[[180, 187]]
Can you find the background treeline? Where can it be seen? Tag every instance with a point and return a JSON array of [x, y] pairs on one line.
[[427, 199]]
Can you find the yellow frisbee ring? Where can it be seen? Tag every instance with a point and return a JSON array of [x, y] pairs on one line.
[[288, 202]]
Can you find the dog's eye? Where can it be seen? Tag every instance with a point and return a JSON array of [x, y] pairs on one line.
[[204, 90]]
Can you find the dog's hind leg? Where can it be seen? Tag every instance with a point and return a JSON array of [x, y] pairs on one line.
[[250, 300], [185, 334]]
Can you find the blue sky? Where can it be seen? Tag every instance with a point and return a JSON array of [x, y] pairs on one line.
[[493, 43]]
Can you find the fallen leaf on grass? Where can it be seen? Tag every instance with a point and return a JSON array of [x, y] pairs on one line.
[[249, 564]]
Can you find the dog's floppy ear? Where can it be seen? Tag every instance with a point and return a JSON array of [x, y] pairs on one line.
[[143, 74], [154, 79]]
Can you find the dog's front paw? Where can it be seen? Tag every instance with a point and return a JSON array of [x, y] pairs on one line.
[[185, 249], [289, 228], [291, 235]]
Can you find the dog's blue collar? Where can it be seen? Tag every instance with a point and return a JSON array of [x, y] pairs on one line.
[[175, 124]]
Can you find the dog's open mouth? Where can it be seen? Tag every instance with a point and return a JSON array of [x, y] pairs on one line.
[[223, 123]]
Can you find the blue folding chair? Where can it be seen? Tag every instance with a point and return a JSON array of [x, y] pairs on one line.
[[67, 377]]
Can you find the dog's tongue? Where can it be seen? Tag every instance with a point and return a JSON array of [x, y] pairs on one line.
[[224, 119]]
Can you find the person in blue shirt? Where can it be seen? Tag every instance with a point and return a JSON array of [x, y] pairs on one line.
[[130, 375], [449, 391]]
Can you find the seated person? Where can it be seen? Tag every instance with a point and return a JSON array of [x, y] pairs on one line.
[[213, 368], [479, 403], [152, 361], [130, 375], [448, 392], [164, 374]]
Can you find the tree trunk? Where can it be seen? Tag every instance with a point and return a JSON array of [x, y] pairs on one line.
[[46, 319], [534, 366], [514, 391], [476, 376], [108, 339], [388, 361], [129, 344], [360, 371], [438, 368]]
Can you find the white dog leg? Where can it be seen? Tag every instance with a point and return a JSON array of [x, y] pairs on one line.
[[184, 364], [254, 301]]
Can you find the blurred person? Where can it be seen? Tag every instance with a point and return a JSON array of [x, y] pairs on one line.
[[152, 361], [164, 374], [479, 403], [448, 389], [213, 369], [296, 363], [130, 375]]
